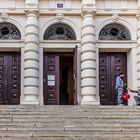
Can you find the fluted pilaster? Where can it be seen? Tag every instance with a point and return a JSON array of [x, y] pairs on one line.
[[31, 59], [88, 60]]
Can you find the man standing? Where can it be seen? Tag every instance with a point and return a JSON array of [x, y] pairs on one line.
[[120, 87]]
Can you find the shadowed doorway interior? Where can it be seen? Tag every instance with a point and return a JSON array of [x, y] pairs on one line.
[[59, 79]]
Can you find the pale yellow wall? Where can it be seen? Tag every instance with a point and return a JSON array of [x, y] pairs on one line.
[[116, 4], [52, 4]]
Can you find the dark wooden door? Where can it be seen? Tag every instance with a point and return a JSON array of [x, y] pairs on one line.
[[10, 78], [51, 79], [60, 78], [75, 76], [110, 65]]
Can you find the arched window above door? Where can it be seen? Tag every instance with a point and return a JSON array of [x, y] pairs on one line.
[[9, 31], [59, 31], [114, 32]]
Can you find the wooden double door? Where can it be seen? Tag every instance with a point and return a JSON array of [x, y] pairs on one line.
[[10, 78], [110, 65], [60, 78]]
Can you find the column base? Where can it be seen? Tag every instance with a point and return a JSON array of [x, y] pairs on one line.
[[30, 100], [89, 99], [30, 103], [90, 103]]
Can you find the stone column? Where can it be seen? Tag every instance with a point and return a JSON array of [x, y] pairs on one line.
[[31, 59], [138, 49], [88, 60]]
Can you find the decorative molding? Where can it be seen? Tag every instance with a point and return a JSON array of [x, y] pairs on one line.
[[59, 31], [60, 17], [114, 31], [4, 16], [88, 2], [31, 4], [89, 9], [9, 31], [33, 13], [115, 17], [88, 13]]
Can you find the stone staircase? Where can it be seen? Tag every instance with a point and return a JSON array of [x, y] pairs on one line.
[[69, 123]]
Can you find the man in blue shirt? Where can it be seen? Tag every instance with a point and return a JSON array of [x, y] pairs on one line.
[[120, 88]]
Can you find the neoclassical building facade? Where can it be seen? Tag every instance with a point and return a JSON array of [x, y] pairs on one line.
[[68, 52]]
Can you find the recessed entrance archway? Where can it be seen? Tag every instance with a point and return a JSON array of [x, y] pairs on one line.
[[10, 78], [111, 63], [60, 67], [10, 67]]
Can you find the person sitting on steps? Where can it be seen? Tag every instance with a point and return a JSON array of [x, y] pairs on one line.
[[137, 98]]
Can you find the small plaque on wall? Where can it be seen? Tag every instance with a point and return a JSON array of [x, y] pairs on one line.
[[59, 5]]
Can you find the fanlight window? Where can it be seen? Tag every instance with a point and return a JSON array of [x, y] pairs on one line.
[[114, 32], [59, 32], [9, 31]]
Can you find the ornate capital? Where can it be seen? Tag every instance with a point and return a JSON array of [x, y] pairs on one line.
[[88, 9], [32, 12], [115, 17], [89, 12], [4, 16], [60, 17]]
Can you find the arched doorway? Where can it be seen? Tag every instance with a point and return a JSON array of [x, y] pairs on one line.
[[111, 63], [9, 67], [60, 68]]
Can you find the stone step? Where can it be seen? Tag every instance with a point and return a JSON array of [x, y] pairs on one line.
[[69, 138], [74, 127], [69, 123], [67, 107], [68, 133], [66, 113]]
